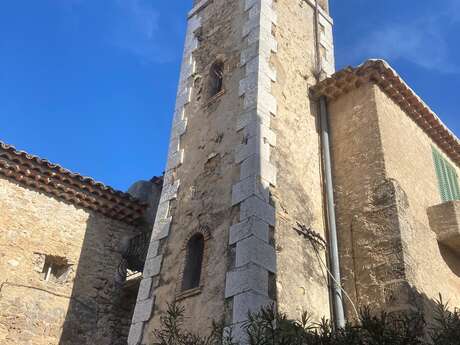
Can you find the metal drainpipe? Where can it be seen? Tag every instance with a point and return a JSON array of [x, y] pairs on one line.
[[339, 315]]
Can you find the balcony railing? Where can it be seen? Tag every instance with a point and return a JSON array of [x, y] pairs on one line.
[[134, 253]]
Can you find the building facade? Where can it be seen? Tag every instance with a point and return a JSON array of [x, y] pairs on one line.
[[396, 169], [61, 253], [243, 169], [286, 184], [247, 169]]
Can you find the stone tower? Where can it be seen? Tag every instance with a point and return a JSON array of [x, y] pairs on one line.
[[244, 167]]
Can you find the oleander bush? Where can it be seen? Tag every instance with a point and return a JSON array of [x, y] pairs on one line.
[[268, 327]]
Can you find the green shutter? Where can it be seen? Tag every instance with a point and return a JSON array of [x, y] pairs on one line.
[[447, 178]]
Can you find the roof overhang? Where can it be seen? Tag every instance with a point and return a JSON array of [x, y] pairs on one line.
[[40, 174], [380, 73]]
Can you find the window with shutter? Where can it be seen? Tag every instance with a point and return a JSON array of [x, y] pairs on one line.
[[447, 177]]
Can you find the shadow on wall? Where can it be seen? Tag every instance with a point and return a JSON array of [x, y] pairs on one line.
[[451, 259], [99, 311], [420, 304]]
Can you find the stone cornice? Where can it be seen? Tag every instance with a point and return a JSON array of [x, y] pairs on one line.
[[380, 73], [40, 174]]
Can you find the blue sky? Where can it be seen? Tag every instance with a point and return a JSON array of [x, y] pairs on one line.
[[90, 84]]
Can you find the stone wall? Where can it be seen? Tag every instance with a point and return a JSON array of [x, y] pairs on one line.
[[431, 268], [78, 304], [200, 181], [221, 176], [385, 181], [301, 280], [358, 170]]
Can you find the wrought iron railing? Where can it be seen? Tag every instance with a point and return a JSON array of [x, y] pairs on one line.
[[133, 258]]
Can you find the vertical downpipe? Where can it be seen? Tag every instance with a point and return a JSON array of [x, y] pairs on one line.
[[334, 262], [339, 315]]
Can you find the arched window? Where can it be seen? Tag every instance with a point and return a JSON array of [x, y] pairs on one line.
[[216, 78], [193, 262]]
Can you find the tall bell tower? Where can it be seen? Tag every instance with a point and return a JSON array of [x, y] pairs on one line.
[[244, 168]]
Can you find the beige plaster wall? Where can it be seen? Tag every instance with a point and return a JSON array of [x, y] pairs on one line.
[[301, 280], [432, 268], [79, 309], [384, 182], [358, 169]]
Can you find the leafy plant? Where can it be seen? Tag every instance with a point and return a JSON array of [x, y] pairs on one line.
[[446, 330], [269, 327]]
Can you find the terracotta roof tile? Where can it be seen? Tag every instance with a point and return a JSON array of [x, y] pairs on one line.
[[383, 75], [83, 191]]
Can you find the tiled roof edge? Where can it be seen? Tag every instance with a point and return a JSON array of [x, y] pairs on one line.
[[382, 74], [83, 191]]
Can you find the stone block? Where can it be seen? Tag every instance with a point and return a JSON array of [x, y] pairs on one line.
[[249, 53], [153, 266], [161, 229], [145, 289], [259, 129], [253, 116], [169, 192], [254, 206], [248, 302], [256, 251], [173, 146], [248, 83], [179, 128], [250, 227], [249, 278], [162, 211], [256, 165], [143, 310], [254, 145], [135, 333], [175, 159], [153, 249], [251, 186]]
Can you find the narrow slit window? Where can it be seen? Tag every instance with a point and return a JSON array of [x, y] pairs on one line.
[[193, 263], [447, 178], [216, 78]]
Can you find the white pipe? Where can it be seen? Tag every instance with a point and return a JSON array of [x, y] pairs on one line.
[[339, 315]]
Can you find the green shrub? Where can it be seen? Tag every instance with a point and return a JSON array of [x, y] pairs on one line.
[[268, 327]]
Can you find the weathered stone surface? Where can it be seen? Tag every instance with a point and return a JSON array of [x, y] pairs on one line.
[[251, 186], [145, 289], [445, 222], [248, 302], [255, 207], [143, 310], [250, 227], [382, 198], [153, 266], [253, 250], [249, 278], [62, 310], [135, 333]]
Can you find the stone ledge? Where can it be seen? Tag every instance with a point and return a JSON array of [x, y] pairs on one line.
[[445, 222]]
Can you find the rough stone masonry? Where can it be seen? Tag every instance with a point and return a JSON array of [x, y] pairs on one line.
[[225, 231]]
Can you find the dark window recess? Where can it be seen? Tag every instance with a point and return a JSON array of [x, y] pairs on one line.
[[216, 78], [56, 269], [193, 262], [133, 252]]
